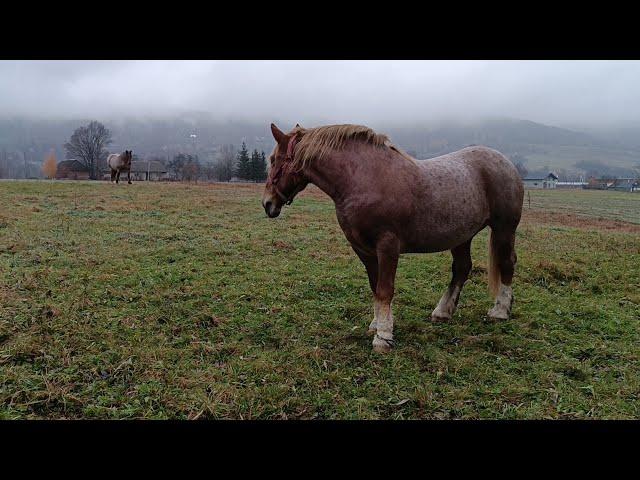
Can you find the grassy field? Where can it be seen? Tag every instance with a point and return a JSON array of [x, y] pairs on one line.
[[178, 301], [622, 206]]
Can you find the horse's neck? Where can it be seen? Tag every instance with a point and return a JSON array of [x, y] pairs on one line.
[[331, 175]]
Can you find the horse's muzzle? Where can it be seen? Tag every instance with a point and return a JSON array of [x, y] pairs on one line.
[[271, 209]]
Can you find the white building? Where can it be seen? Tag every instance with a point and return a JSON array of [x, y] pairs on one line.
[[550, 181]]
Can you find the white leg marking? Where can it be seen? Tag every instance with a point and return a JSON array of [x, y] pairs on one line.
[[373, 326], [446, 306], [383, 339], [502, 308]]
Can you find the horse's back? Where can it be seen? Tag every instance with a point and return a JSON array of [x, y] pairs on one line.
[[483, 169]]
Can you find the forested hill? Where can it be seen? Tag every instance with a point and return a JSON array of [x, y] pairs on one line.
[[537, 146]]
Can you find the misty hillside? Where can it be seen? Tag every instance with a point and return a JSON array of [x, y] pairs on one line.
[[539, 147]]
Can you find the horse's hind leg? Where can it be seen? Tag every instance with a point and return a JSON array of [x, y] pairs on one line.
[[118, 176], [460, 269], [113, 176], [501, 267], [371, 264]]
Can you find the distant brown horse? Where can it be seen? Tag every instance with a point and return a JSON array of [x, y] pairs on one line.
[[120, 162], [389, 203]]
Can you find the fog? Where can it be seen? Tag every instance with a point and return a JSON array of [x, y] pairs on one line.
[[562, 93]]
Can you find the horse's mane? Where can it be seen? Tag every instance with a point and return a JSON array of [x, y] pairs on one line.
[[317, 143]]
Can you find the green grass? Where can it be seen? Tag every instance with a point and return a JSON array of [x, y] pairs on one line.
[[613, 205], [177, 301]]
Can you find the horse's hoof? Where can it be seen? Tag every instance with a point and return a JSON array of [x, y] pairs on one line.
[[439, 318], [129, 183], [497, 316], [381, 348], [382, 345]]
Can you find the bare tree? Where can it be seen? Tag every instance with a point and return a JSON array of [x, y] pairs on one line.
[[522, 170], [225, 165], [87, 145], [519, 162]]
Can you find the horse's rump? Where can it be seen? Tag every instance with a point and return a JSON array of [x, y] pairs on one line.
[[118, 161]]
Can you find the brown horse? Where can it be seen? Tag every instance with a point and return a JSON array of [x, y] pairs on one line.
[[389, 203], [120, 162]]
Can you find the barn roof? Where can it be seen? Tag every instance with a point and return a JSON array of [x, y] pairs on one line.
[[549, 175]]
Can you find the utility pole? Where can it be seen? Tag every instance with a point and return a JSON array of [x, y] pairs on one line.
[[24, 154]]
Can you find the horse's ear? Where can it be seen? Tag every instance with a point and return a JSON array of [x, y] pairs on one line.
[[277, 134], [298, 125]]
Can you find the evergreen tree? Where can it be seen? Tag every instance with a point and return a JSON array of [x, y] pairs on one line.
[[244, 164], [258, 167], [263, 168]]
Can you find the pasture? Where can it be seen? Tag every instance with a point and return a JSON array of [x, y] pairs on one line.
[[185, 302]]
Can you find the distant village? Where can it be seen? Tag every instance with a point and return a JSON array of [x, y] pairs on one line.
[[552, 181]]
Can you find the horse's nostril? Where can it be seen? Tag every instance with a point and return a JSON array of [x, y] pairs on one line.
[[267, 206]]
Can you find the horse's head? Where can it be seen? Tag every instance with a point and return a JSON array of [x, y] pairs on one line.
[[285, 180], [127, 156]]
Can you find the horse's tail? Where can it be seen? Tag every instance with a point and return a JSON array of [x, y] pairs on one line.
[[494, 270]]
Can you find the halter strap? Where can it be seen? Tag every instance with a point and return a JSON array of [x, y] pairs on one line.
[[289, 157], [285, 200]]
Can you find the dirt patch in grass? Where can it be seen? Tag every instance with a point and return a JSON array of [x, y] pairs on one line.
[[579, 221]]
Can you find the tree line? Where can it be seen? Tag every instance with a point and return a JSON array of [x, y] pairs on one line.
[[88, 145], [250, 168]]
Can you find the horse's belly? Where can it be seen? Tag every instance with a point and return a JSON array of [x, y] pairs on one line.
[[443, 229]]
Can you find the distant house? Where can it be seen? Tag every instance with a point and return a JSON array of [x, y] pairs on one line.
[[626, 185], [72, 170], [599, 183], [619, 184], [550, 181]]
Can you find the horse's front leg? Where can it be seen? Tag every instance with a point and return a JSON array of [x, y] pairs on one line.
[[388, 254], [129, 176]]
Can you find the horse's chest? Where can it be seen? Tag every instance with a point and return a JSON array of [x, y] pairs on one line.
[[361, 237]]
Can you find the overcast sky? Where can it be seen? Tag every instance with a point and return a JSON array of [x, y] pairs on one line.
[[562, 93]]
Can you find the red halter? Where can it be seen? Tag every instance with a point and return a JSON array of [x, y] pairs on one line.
[[288, 158]]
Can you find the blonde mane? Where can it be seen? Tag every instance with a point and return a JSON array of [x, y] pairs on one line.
[[317, 143]]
